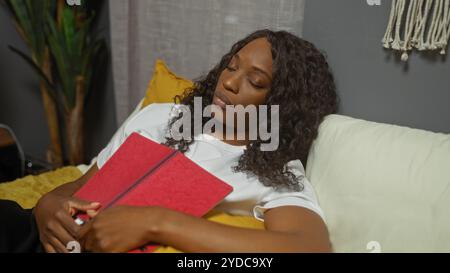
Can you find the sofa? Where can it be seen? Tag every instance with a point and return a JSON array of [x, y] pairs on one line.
[[383, 188]]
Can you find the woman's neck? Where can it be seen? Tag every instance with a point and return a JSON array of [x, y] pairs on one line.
[[234, 141]]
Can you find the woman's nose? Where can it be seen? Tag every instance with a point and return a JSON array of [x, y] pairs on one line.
[[231, 83]]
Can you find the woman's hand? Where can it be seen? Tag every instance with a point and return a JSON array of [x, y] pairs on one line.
[[120, 229], [56, 226]]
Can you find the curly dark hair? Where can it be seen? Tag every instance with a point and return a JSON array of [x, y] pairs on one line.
[[304, 89]]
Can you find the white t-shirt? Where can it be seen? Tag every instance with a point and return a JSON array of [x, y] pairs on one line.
[[249, 196]]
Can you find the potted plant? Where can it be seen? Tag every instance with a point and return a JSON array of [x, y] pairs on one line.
[[64, 52]]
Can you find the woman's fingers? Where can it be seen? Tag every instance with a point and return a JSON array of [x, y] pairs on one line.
[[92, 213], [61, 231], [48, 248], [81, 205], [57, 245], [68, 223], [58, 237], [85, 236], [51, 244], [84, 230]]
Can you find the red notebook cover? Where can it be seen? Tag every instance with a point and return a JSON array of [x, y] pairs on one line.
[[145, 173]]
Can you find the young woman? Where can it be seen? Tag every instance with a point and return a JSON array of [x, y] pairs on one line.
[[266, 68]]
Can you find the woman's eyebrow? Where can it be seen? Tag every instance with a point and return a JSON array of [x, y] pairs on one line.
[[263, 72], [255, 67]]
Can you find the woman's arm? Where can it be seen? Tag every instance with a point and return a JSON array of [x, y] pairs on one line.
[[70, 188], [53, 214], [288, 229]]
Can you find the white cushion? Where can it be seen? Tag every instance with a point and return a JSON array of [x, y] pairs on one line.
[[382, 183]]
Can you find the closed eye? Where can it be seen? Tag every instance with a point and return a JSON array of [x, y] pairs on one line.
[[256, 86]]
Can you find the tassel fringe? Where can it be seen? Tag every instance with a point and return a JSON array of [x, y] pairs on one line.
[[418, 24]]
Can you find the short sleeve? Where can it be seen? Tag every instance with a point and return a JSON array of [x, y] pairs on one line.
[[305, 198], [148, 122]]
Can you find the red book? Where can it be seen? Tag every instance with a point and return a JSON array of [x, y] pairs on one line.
[[145, 173]]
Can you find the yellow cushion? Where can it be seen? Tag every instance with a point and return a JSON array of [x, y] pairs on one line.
[[27, 191], [165, 85]]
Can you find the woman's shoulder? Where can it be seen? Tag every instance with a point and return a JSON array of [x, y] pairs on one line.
[[155, 113], [158, 108]]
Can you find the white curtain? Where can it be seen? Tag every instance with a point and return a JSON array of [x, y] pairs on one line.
[[189, 35]]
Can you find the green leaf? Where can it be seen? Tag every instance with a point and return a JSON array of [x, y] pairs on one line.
[[30, 16], [23, 19], [68, 26], [10, 9], [36, 68], [57, 48], [74, 47]]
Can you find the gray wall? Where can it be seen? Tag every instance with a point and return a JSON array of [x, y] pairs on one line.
[[20, 101], [372, 82]]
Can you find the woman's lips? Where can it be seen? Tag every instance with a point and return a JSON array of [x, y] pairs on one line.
[[220, 101], [217, 101]]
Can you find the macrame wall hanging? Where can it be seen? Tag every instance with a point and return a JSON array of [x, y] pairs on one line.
[[418, 24]]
